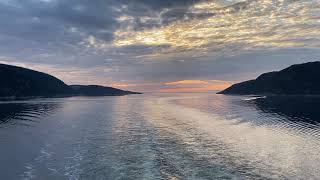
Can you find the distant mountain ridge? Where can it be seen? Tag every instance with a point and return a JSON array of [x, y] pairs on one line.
[[95, 90], [299, 79], [21, 82]]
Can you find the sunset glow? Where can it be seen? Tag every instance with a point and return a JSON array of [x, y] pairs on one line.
[[246, 25], [196, 86]]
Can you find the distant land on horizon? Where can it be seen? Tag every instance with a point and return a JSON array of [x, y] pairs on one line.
[[21, 82], [299, 79]]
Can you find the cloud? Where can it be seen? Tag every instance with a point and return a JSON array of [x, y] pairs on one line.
[[180, 27], [219, 28]]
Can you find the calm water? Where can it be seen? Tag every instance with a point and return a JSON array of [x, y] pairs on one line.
[[161, 136]]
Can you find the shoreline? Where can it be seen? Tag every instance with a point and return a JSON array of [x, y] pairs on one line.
[[14, 98]]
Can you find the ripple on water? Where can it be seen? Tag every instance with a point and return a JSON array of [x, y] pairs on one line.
[[24, 113], [163, 137]]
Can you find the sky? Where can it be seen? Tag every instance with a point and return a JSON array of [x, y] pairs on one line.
[[159, 45]]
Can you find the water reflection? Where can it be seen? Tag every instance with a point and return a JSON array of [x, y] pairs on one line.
[[271, 138], [294, 108], [259, 110], [24, 113]]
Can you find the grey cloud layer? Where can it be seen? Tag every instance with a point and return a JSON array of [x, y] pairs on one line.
[[30, 25], [43, 17]]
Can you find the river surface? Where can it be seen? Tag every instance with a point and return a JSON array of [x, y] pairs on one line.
[[161, 136]]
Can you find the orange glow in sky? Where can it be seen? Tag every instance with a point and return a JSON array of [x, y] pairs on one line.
[[195, 86]]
